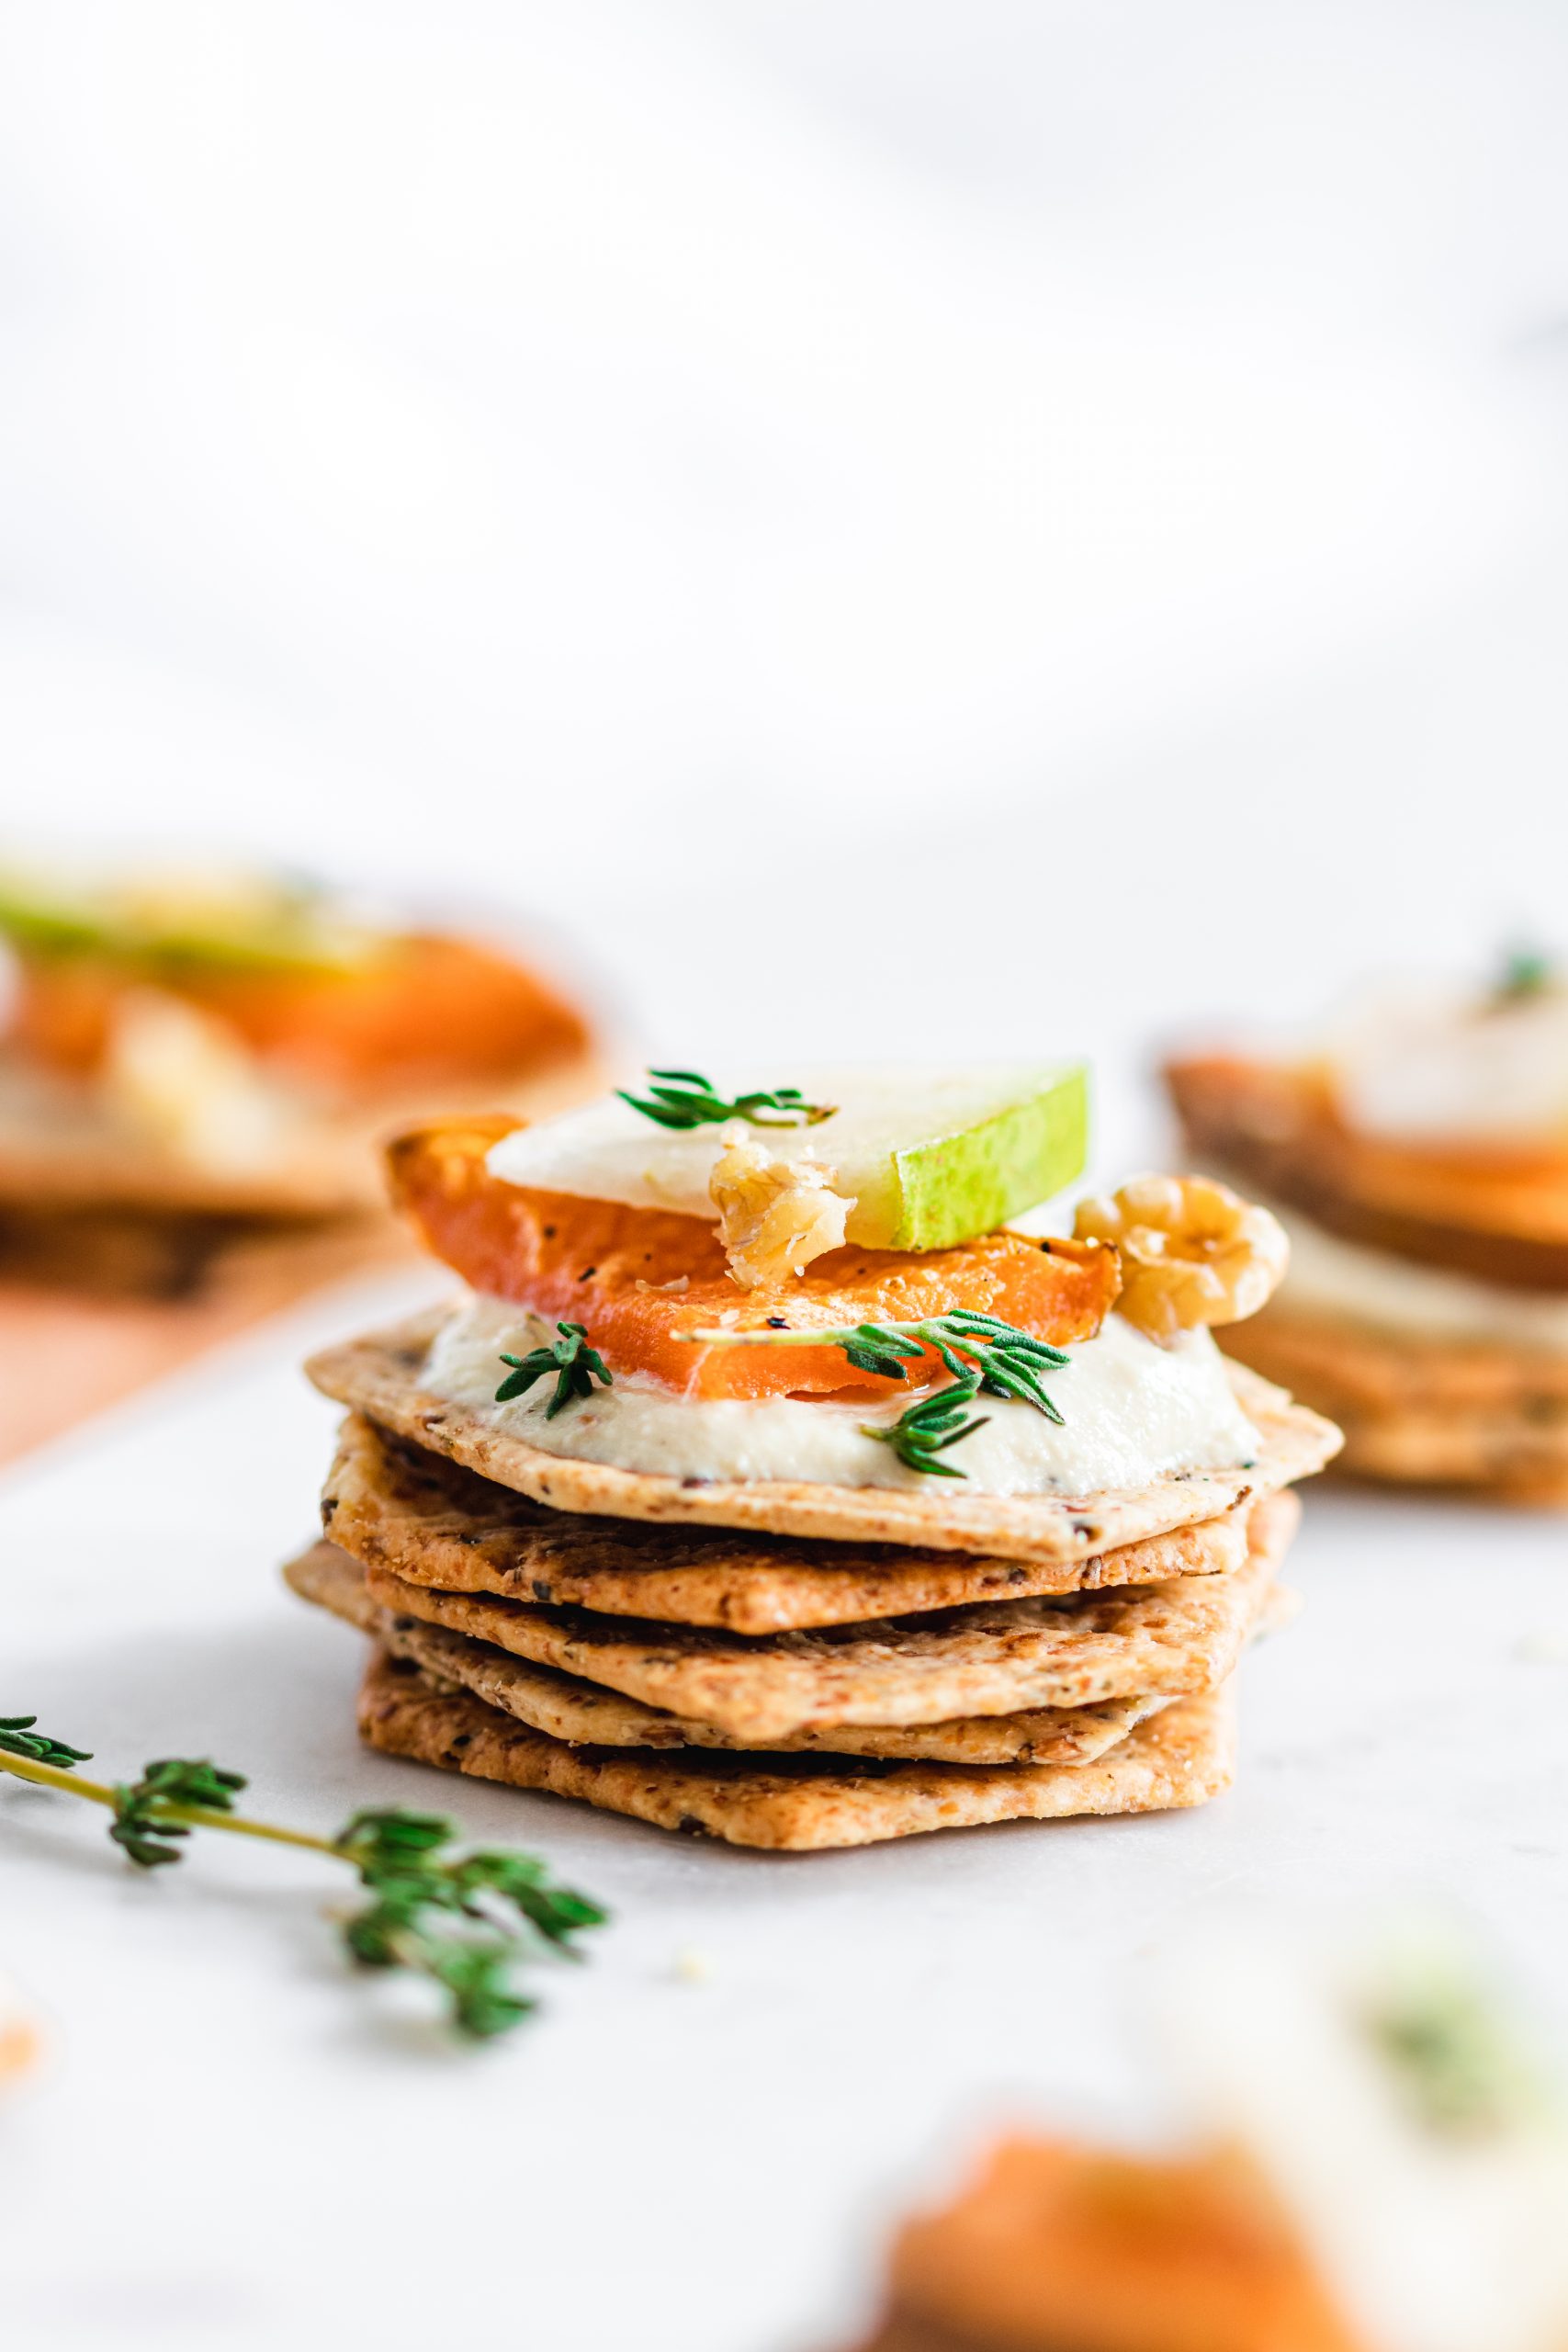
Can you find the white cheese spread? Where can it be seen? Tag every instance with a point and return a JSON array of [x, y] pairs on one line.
[[1131, 1412], [1441, 1068]]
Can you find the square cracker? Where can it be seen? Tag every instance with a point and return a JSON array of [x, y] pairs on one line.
[[380, 1374], [585, 1714], [998, 1659], [397, 1506], [1181, 1757]]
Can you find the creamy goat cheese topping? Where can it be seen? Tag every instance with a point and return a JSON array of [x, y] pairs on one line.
[[1130, 1411], [1438, 1068], [1347, 1282]]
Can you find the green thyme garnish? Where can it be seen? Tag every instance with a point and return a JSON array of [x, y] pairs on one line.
[[466, 1921], [17, 1737], [686, 1099], [929, 1427], [575, 1364], [1526, 972], [149, 1812], [1000, 1358]]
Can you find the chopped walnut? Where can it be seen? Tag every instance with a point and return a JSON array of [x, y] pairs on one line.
[[775, 1215], [1191, 1251]]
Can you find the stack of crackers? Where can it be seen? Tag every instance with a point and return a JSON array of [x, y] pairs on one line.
[[783, 1664]]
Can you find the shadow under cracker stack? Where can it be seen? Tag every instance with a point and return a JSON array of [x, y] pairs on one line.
[[769, 1481]]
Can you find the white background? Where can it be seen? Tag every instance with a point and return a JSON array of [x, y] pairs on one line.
[[877, 528]]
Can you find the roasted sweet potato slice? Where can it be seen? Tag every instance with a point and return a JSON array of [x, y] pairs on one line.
[[637, 1279], [427, 1005], [1501, 1215]]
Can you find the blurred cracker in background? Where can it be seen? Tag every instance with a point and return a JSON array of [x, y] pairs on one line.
[[197, 1072]]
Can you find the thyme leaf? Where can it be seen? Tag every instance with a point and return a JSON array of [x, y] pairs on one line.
[[1000, 1359], [144, 1822], [930, 1426], [17, 1737], [575, 1364], [686, 1099]]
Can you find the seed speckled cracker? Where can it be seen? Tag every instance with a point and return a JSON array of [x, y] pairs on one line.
[[397, 1506], [802, 1804], [381, 1376], [999, 1658], [586, 1715]]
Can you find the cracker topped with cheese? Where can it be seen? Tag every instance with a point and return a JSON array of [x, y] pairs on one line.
[[805, 1318]]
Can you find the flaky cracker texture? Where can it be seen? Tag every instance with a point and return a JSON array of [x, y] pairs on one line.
[[587, 1715], [799, 1804], [995, 1658]]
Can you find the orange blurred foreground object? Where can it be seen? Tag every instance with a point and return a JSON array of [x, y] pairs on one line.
[[637, 1279], [1058, 2248], [425, 1004]]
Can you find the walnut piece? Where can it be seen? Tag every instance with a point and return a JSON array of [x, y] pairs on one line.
[[1191, 1251], [775, 1214]]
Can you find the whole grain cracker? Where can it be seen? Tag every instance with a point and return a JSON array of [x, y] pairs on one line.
[[803, 1804], [584, 1715], [379, 1376], [396, 1506], [997, 1658]]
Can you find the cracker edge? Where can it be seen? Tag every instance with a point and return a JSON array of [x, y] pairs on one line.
[[374, 1375], [1179, 1758]]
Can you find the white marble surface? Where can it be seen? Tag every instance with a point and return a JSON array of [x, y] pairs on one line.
[[235, 2144], [898, 530]]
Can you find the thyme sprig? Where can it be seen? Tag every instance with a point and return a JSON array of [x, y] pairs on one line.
[[467, 1921], [17, 1737], [686, 1099], [575, 1364], [998, 1357], [930, 1426]]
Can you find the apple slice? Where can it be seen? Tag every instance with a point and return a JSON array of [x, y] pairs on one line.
[[928, 1158], [227, 920]]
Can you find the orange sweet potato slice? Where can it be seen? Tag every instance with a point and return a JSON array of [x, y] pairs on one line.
[[1499, 1214], [637, 1279], [430, 1006]]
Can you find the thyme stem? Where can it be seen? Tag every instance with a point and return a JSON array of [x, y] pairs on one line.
[[195, 1816]]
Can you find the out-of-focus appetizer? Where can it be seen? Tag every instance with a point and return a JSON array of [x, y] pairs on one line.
[[189, 1061], [1419, 1161], [1379, 2167], [19, 2040], [765, 1481]]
